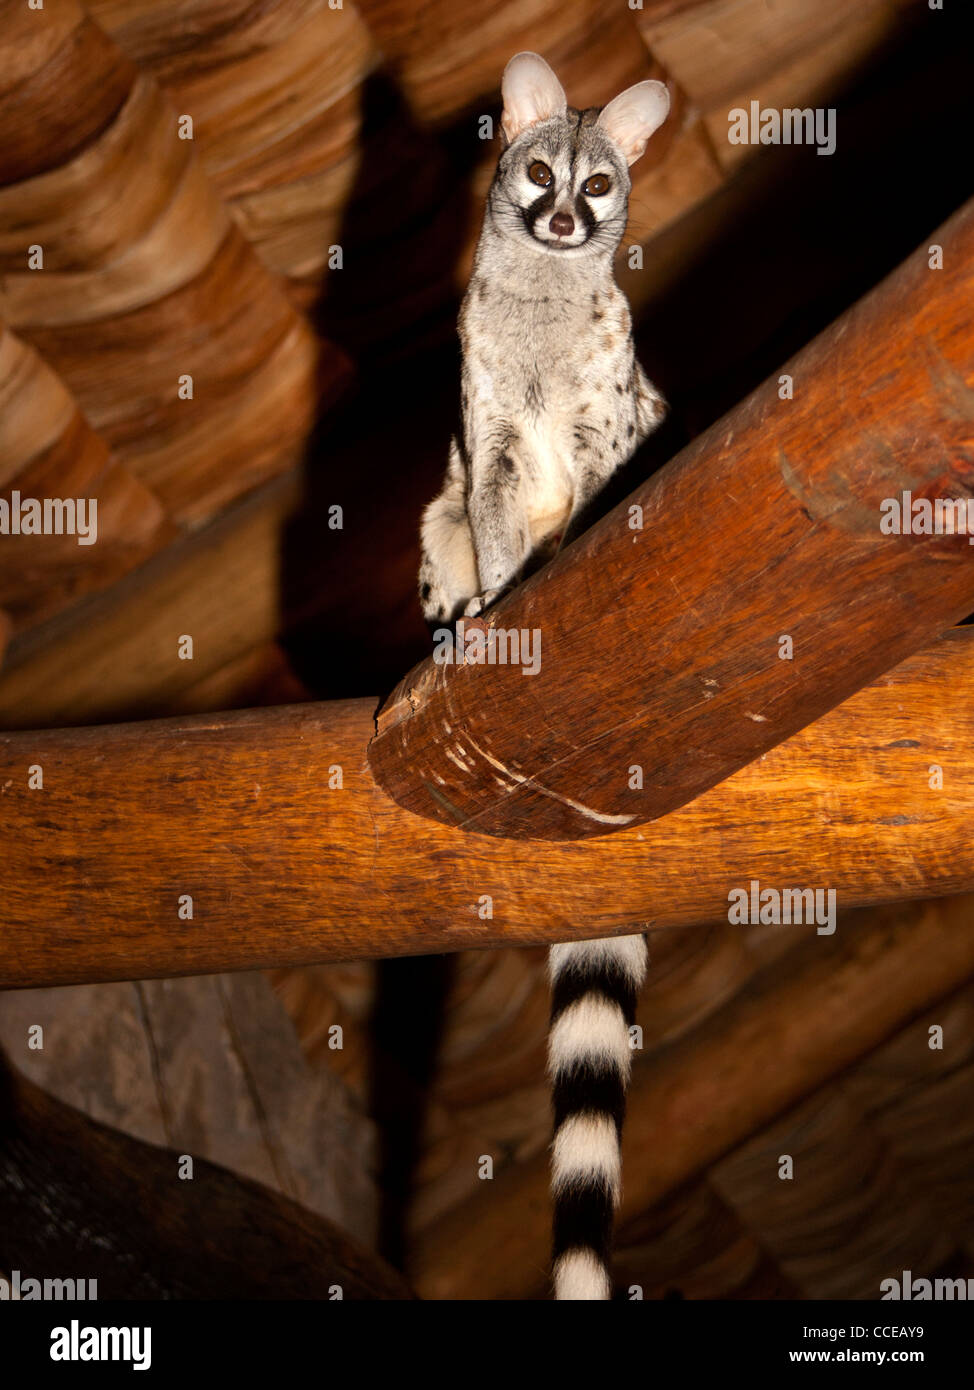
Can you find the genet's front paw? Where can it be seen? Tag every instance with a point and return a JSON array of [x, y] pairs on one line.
[[481, 602]]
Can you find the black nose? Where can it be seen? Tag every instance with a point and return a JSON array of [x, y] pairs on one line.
[[561, 224]]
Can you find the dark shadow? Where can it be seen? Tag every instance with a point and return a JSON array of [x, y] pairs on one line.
[[352, 618], [405, 1033]]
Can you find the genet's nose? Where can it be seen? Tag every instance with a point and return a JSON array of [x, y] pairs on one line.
[[561, 224]]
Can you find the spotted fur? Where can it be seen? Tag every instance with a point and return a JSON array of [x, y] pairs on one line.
[[553, 399]]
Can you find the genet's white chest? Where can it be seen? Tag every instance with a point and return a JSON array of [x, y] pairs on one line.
[[548, 480]]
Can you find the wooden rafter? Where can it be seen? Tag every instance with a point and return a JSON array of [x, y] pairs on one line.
[[235, 812]]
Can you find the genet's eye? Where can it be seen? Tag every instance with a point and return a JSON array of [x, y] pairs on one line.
[[539, 173], [596, 185]]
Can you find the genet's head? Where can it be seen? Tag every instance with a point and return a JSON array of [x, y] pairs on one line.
[[562, 183]]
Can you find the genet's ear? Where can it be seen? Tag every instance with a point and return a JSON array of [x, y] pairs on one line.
[[632, 117], [531, 93]]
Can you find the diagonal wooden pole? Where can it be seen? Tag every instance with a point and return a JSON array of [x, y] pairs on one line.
[[759, 592], [221, 842]]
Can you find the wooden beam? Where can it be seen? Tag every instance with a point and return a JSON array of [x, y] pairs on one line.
[[811, 1015], [87, 1201], [243, 814], [661, 648]]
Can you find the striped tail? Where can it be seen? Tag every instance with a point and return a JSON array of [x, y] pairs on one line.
[[594, 985]]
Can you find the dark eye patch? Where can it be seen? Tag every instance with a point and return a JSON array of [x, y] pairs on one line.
[[539, 173], [596, 185]]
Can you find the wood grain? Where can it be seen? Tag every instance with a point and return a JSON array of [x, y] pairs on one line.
[[147, 281], [275, 92], [48, 449], [116, 655], [882, 1157], [721, 47], [845, 1182], [695, 1245], [772, 516], [236, 811], [920, 1100]]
